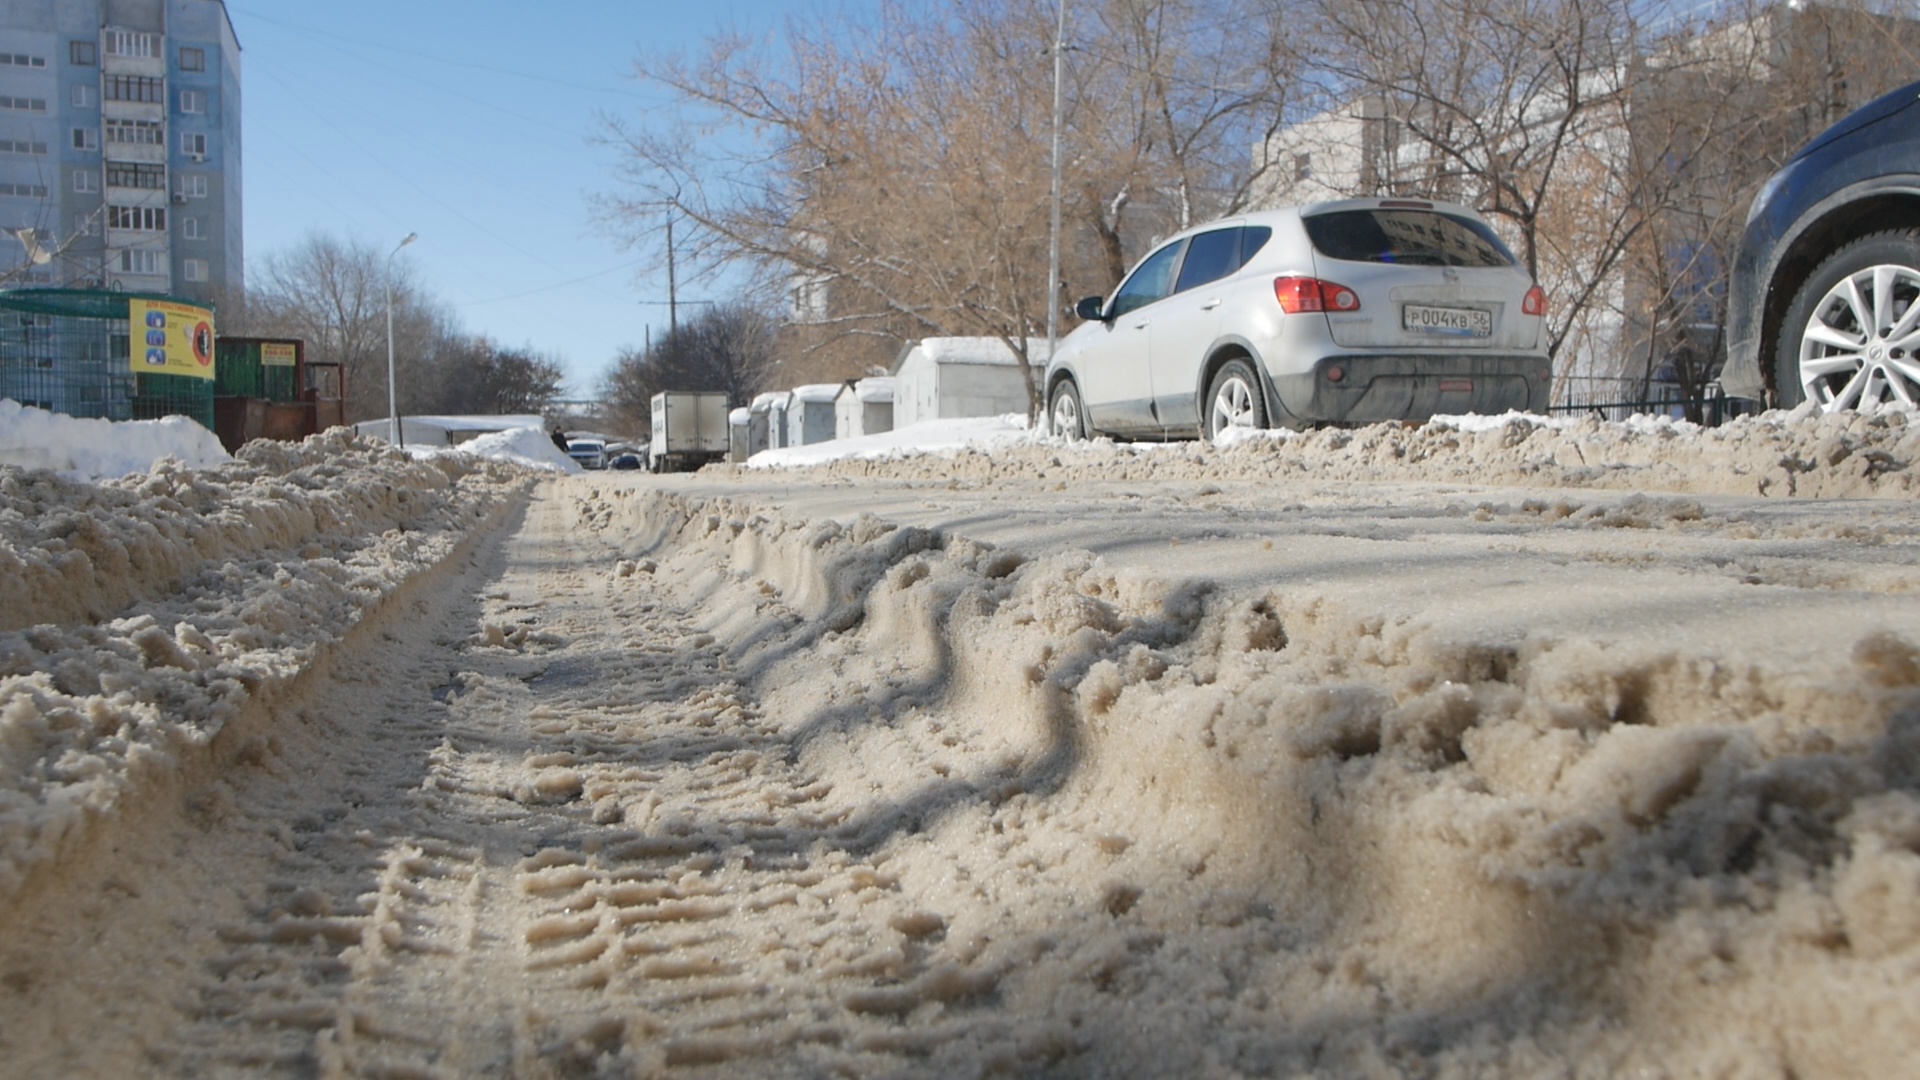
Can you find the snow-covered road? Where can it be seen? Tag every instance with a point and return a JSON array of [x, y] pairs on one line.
[[1084, 761]]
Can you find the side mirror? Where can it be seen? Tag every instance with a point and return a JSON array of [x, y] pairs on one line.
[[1091, 309]]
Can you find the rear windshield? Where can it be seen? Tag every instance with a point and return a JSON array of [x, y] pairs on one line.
[[1408, 236]]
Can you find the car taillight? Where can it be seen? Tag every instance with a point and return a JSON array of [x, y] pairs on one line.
[[1302, 294], [1536, 301]]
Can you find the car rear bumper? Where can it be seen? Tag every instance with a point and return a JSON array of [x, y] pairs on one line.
[[1409, 386]]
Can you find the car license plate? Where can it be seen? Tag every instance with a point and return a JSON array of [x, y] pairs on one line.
[[1460, 322]]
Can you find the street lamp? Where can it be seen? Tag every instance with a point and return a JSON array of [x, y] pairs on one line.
[[393, 396]]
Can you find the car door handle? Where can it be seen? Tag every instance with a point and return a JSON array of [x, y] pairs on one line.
[[1142, 324], [1211, 304]]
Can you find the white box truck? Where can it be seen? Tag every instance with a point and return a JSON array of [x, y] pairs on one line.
[[689, 429]]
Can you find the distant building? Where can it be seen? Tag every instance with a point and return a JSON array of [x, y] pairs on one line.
[[120, 146]]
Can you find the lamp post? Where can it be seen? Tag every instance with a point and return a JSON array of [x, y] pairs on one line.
[[393, 396]]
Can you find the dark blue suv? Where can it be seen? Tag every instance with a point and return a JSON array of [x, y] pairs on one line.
[[1821, 304]]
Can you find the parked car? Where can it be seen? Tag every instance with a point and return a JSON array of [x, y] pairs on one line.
[[1820, 303], [1343, 312], [590, 453], [629, 459]]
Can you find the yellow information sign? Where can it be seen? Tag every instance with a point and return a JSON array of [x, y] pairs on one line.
[[170, 339], [277, 353]]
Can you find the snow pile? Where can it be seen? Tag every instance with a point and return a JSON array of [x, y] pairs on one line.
[[1156, 823], [530, 447], [37, 439], [1803, 453], [142, 617]]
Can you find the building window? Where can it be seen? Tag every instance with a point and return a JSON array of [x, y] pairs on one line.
[[25, 191], [193, 59], [136, 132], [193, 144], [193, 101], [82, 53], [82, 96], [22, 60], [196, 269], [139, 88], [86, 181], [1302, 167], [86, 225], [141, 218], [132, 174], [136, 261], [23, 104], [131, 43], [193, 187], [22, 146], [86, 139], [192, 229]]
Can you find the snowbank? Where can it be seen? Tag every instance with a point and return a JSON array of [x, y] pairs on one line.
[[87, 448], [140, 617], [931, 437]]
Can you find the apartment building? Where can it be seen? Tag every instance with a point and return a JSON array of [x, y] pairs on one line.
[[120, 146]]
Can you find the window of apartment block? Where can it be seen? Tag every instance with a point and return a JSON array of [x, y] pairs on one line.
[[22, 146], [136, 261], [82, 97], [193, 59], [82, 53], [142, 218], [193, 187], [192, 229], [1302, 166], [86, 181], [86, 224], [193, 144], [193, 101], [22, 60], [136, 132], [195, 269], [136, 175], [86, 139], [139, 88], [23, 104], [29, 191], [131, 43]]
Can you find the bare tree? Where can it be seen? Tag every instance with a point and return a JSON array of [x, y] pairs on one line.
[[892, 177], [332, 294], [728, 347]]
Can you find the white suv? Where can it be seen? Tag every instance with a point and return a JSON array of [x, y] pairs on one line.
[[1343, 312]]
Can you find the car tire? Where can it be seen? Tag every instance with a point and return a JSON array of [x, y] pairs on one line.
[[1066, 415], [1826, 353], [1233, 400]]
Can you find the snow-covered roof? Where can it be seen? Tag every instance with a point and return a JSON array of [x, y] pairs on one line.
[[763, 402], [874, 390], [983, 351], [740, 417], [479, 423], [817, 392]]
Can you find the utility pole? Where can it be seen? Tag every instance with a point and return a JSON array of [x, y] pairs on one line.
[[1053, 220], [673, 298]]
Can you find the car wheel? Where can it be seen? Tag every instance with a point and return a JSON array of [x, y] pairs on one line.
[[1851, 339], [1065, 415], [1233, 400]]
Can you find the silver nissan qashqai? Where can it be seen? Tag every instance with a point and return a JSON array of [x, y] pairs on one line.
[[1346, 312]]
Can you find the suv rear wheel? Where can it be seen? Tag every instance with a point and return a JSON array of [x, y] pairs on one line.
[[1851, 338], [1233, 400]]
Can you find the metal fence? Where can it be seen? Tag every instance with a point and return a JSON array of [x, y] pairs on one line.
[[68, 351], [1617, 399]]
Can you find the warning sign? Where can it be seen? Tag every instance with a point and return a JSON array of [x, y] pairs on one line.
[[170, 339]]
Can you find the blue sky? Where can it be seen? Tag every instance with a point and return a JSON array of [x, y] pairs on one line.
[[471, 125]]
